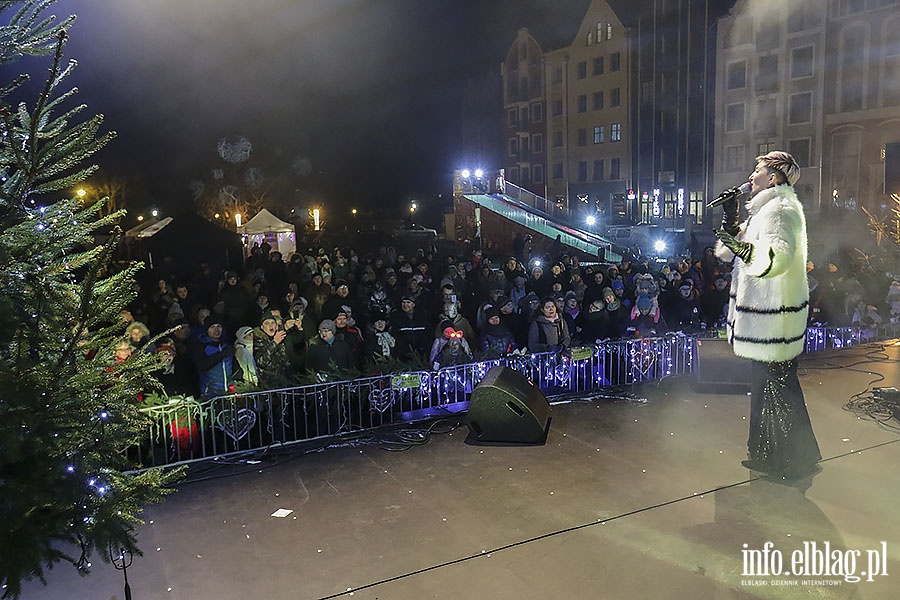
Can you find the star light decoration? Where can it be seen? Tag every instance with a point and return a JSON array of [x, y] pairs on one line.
[[235, 149]]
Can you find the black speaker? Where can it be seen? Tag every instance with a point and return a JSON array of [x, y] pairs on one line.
[[719, 370], [892, 168], [506, 407]]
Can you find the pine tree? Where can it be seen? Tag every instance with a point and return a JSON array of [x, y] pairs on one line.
[[67, 411]]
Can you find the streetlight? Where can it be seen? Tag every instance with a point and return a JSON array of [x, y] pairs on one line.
[[412, 207], [155, 213], [81, 193], [237, 219], [591, 220], [317, 223]]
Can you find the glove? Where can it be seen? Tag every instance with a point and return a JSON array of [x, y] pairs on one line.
[[742, 250], [730, 215]]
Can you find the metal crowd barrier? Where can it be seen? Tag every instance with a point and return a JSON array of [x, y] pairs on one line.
[[187, 429]]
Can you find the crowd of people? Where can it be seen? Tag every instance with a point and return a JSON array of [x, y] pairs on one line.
[[281, 323]]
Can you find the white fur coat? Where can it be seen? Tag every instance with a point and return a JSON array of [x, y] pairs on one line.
[[767, 312]]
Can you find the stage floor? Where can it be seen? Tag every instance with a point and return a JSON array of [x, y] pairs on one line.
[[627, 500]]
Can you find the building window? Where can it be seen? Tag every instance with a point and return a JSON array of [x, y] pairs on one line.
[[764, 148], [557, 171], [852, 67], [609, 30], [538, 172], [598, 66], [590, 39], [647, 92], [526, 174], [766, 122], [802, 62], [599, 134], [599, 169], [768, 37], [800, 109], [523, 116], [600, 30], [891, 80], [537, 112], [598, 100], [582, 171], [734, 117], [767, 79], [582, 137], [736, 77], [557, 139], [582, 69], [615, 97], [512, 117], [582, 103], [537, 143], [556, 75], [734, 159], [615, 60], [513, 175], [615, 134], [513, 145], [614, 168], [799, 149], [524, 146], [557, 108]]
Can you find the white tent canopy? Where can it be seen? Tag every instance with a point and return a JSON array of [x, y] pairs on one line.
[[266, 227]]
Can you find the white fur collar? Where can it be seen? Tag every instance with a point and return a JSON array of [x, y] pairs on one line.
[[755, 204]]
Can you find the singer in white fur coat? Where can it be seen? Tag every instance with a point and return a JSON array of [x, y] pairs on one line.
[[767, 316], [770, 297]]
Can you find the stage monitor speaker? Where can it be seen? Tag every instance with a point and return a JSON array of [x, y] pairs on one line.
[[719, 370], [506, 407], [892, 168]]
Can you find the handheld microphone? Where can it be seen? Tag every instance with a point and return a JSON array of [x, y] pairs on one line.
[[729, 194]]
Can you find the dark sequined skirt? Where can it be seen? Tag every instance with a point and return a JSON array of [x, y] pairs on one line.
[[781, 439]]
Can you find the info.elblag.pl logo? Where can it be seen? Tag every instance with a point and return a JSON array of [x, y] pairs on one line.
[[816, 563]]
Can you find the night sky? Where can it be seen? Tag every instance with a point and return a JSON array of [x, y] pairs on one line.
[[368, 90]]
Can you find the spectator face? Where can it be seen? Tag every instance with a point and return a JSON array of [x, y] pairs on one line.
[[380, 325], [269, 327], [232, 280], [451, 310], [343, 291], [548, 309], [507, 308], [325, 333], [572, 303], [214, 331], [340, 321], [407, 306], [181, 292], [135, 335], [123, 351], [494, 320], [596, 306]]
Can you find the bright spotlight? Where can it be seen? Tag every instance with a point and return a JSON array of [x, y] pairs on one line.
[[659, 246], [479, 173], [591, 220], [465, 173]]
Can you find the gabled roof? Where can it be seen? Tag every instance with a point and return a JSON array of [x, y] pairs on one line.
[[265, 222]]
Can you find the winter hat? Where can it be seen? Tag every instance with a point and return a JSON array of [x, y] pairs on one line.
[[643, 302], [243, 332], [301, 301], [266, 316], [570, 295], [328, 324], [379, 316], [491, 312], [503, 301], [211, 320], [618, 285]]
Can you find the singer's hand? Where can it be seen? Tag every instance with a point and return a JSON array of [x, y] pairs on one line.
[[730, 215], [742, 250]]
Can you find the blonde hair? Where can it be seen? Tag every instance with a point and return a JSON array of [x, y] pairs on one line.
[[781, 163]]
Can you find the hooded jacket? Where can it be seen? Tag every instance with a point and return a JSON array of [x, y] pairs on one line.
[[769, 296]]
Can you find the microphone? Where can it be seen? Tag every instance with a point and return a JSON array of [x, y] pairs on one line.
[[729, 194]]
